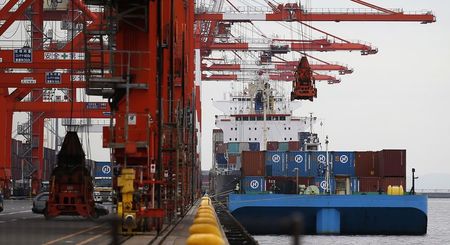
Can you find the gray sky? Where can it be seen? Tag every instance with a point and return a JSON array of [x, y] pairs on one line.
[[397, 98]]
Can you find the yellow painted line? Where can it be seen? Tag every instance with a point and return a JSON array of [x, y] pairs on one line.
[[93, 238], [73, 234]]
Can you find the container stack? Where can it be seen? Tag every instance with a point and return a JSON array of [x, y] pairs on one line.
[[350, 172], [220, 149], [377, 170], [392, 167]]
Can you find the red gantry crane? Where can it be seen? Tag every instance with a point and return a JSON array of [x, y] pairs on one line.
[[140, 57]]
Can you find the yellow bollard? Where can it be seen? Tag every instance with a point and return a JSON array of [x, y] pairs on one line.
[[201, 208], [389, 190], [204, 229], [205, 220], [204, 239], [205, 203], [205, 215], [207, 211]]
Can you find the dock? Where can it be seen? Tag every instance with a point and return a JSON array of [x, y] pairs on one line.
[[177, 234]]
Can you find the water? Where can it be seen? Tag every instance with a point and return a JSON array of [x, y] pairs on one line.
[[438, 232]]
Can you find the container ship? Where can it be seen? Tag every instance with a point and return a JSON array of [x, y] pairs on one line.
[[270, 165]]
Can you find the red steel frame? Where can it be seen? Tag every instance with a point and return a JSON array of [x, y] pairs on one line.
[[39, 66]]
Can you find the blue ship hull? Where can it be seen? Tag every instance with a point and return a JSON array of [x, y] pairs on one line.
[[264, 214]]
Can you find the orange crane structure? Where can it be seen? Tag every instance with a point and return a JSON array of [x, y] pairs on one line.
[[144, 58]]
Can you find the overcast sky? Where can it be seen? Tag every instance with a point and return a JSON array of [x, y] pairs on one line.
[[398, 98]]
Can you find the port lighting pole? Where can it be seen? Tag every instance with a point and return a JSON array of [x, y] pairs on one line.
[[296, 180], [413, 188]]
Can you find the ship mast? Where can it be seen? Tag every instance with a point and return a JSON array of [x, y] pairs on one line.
[[265, 101], [328, 168]]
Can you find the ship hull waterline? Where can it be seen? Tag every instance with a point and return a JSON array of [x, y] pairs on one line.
[[264, 214]]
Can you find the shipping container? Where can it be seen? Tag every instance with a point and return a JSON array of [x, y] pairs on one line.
[[286, 185], [254, 146], [283, 146], [392, 163], [103, 170], [233, 147], [232, 159], [278, 162], [366, 164], [268, 170], [343, 163], [220, 159], [392, 181], [369, 184], [297, 159], [322, 184], [294, 146], [254, 184], [317, 163], [243, 146], [253, 163], [272, 145], [220, 147]]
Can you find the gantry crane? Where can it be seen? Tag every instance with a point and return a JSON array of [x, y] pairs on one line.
[[32, 69], [290, 12], [139, 55]]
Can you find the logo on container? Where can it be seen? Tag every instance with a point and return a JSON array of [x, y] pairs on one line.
[[254, 184], [298, 158], [106, 169], [343, 159], [323, 185], [276, 158], [321, 158]]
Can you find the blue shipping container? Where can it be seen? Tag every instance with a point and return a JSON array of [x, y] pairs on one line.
[[254, 184], [103, 169], [233, 147], [317, 163], [322, 184], [297, 159], [354, 184], [268, 170], [283, 146], [277, 160], [343, 163], [220, 159], [254, 146]]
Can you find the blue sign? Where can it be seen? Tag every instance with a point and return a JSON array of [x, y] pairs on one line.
[[23, 55], [103, 169], [53, 78]]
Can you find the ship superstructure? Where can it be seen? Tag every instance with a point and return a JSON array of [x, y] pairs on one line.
[[259, 114]]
